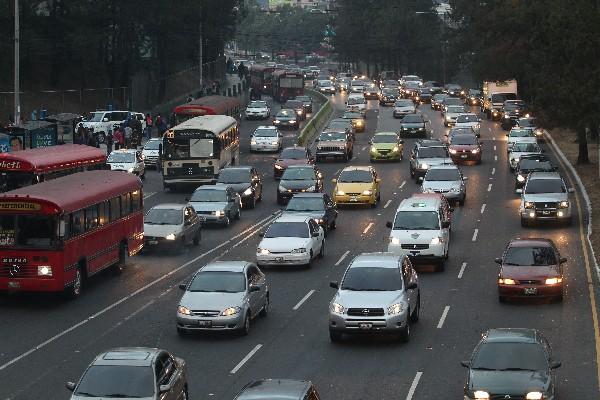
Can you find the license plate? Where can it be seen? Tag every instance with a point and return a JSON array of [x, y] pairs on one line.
[[463, 156], [278, 259], [365, 325], [353, 198], [546, 212], [205, 324], [152, 241], [530, 290], [202, 219], [14, 285]]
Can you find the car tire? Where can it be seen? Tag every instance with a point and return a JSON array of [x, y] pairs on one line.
[[335, 337], [405, 333], [441, 266], [310, 258], [414, 317], [227, 220], [333, 225], [461, 202], [197, 238], [123, 259], [524, 223], [279, 201], [182, 331], [245, 329], [322, 251], [252, 202], [502, 299], [265, 309]]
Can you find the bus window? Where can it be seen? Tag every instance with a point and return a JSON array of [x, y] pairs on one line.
[[8, 230], [91, 218], [115, 208], [36, 230], [125, 204], [103, 213], [136, 203], [77, 220]]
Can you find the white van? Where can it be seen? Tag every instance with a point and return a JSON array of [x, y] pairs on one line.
[[103, 122], [357, 102], [421, 229]]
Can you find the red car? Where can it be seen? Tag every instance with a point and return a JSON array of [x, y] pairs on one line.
[[295, 155], [530, 268], [465, 147]]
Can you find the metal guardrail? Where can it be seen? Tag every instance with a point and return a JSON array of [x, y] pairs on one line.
[[318, 121]]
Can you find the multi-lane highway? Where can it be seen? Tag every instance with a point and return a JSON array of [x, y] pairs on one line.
[[46, 341]]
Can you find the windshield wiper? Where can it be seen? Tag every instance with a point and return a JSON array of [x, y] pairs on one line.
[[515, 264], [129, 396], [516, 369]]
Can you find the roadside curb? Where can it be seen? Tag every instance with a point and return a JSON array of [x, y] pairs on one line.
[[586, 198], [316, 123]]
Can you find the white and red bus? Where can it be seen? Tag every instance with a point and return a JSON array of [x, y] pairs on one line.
[[287, 85], [56, 234], [28, 167], [208, 105]]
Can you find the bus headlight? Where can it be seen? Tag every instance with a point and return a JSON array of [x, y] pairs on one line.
[[520, 178], [563, 204], [170, 236], [44, 270], [534, 396]]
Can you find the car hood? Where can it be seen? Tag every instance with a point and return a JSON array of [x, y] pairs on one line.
[[160, 230], [529, 272], [509, 382], [256, 110], [415, 236], [208, 206], [332, 143], [404, 108], [384, 146], [211, 300], [367, 299], [549, 197], [357, 187], [284, 243], [412, 125], [462, 147], [435, 161], [289, 161], [309, 214], [303, 184], [441, 185], [238, 187]]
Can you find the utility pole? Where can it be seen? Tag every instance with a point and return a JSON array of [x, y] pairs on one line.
[[201, 44], [17, 114]]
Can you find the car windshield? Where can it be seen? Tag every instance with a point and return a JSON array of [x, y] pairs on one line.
[[356, 100], [404, 103], [372, 279], [433, 152], [385, 138], [288, 229], [234, 175], [439, 97], [521, 133], [527, 164], [412, 119], [455, 131], [325, 83], [510, 356], [258, 104], [417, 220], [265, 133], [356, 176], [467, 118], [455, 109], [352, 115], [152, 145], [209, 196], [163, 216], [294, 154], [438, 174], [536, 186], [121, 157], [305, 204], [299, 174], [306, 99], [123, 381], [390, 92], [286, 114], [293, 104], [464, 140], [527, 123], [525, 147], [512, 106], [218, 281], [334, 125], [530, 256], [452, 101], [30, 231], [332, 136]]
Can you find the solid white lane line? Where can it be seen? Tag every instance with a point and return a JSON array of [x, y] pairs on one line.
[[368, 227], [482, 208], [462, 270], [364, 148], [297, 306], [495, 158], [135, 293], [245, 359], [342, 258], [413, 386], [402, 185], [490, 129], [490, 187], [493, 171], [475, 232], [387, 204], [148, 194], [443, 317]]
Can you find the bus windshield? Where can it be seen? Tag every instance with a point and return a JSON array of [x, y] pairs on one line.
[[182, 148], [28, 231]]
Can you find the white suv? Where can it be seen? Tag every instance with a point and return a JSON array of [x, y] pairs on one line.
[[421, 229], [103, 122], [545, 197]]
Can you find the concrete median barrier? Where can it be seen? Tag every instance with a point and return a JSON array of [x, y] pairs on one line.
[[318, 121]]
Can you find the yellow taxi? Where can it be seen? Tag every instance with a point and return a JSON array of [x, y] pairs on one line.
[[357, 185], [386, 146]]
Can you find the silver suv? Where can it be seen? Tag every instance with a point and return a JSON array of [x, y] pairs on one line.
[[545, 197], [447, 180], [379, 293]]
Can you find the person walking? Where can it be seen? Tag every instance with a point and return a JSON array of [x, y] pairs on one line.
[[116, 135], [149, 123], [109, 143], [128, 136]]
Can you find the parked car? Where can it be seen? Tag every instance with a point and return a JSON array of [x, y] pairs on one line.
[[171, 225]]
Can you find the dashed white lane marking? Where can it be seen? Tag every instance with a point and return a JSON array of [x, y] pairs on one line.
[[495, 158], [297, 306], [490, 187], [337, 172], [494, 147], [482, 208], [148, 194], [413, 386], [402, 185], [443, 317], [368, 227], [493, 171], [462, 270], [342, 258], [490, 129], [364, 148], [387, 204], [475, 233], [245, 359]]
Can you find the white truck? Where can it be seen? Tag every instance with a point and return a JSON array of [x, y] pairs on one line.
[[494, 96]]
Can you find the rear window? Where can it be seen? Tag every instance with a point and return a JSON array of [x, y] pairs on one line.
[[288, 229]]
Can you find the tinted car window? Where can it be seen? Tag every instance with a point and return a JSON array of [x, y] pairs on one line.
[[287, 229], [298, 174], [163, 216], [218, 281], [385, 139], [356, 176], [433, 152], [510, 356], [295, 154], [535, 164], [372, 278], [535, 186], [442, 175], [412, 119], [209, 196], [265, 133], [464, 140], [305, 204], [530, 256], [116, 381], [233, 175]]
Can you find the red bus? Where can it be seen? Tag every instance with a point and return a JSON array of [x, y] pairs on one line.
[[56, 234], [287, 85], [208, 105], [27, 167], [261, 78]]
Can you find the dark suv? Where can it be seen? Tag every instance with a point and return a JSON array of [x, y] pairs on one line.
[[334, 144], [297, 106]]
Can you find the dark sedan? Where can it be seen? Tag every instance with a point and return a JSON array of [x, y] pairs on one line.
[[531, 163], [286, 118], [246, 181], [388, 96], [317, 206], [415, 125], [299, 179], [294, 155], [297, 106], [307, 103], [511, 364], [278, 389]]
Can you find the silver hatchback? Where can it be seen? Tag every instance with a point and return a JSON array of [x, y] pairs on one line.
[[379, 293], [223, 296]]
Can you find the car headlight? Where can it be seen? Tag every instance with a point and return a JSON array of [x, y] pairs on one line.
[[506, 116], [230, 311], [44, 270], [337, 308], [475, 151], [311, 189], [341, 193], [563, 204], [130, 170], [395, 149], [184, 310], [437, 240], [534, 396], [455, 190], [292, 121], [300, 112], [394, 240], [421, 129], [506, 281], [263, 251], [553, 281], [277, 166], [219, 213], [170, 236], [299, 250], [247, 192], [452, 151], [395, 309], [481, 395], [253, 141], [520, 178], [424, 166], [529, 204], [276, 121], [274, 143], [514, 160], [367, 192], [282, 189], [374, 150], [448, 118]]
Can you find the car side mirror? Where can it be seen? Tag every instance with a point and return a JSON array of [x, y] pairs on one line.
[[420, 180], [412, 285], [334, 284], [571, 190], [254, 288], [446, 224], [498, 260], [465, 178], [389, 224], [183, 286], [334, 181], [104, 119], [164, 388], [519, 191], [70, 386], [555, 364], [466, 364], [563, 260]]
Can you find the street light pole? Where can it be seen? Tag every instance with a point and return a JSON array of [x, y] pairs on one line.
[[17, 111]]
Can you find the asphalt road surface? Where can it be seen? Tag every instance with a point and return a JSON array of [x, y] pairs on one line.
[[47, 341]]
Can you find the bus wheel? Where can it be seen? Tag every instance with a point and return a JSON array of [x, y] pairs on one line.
[[74, 291]]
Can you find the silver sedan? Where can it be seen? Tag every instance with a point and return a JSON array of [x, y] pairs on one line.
[[223, 296]]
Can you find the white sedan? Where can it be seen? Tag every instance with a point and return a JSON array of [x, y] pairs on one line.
[[291, 240], [266, 138], [520, 149], [469, 120], [519, 135], [258, 110], [452, 113]]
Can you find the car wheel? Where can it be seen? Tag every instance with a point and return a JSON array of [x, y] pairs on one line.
[[123, 259], [184, 394], [502, 299], [322, 251], [325, 229], [227, 220], [245, 329], [405, 334], [441, 266], [310, 258], [197, 238], [461, 202], [414, 317], [335, 337], [265, 310], [333, 225], [252, 203]]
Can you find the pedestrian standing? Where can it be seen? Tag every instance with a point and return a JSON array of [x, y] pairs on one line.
[[116, 137], [109, 143], [149, 124], [128, 136]]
